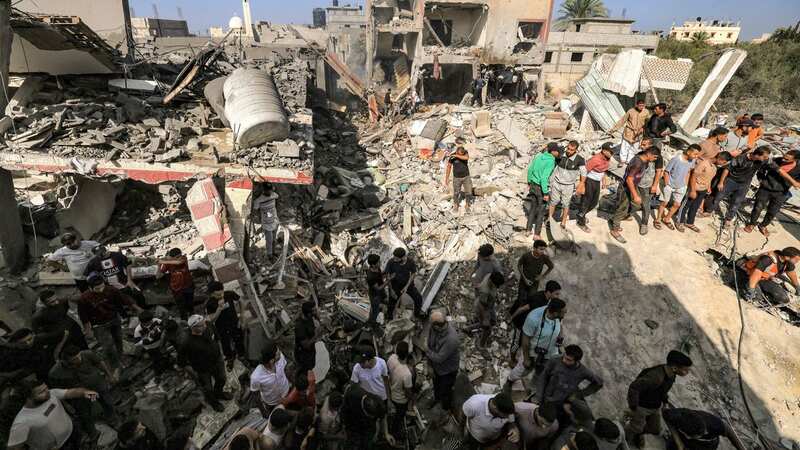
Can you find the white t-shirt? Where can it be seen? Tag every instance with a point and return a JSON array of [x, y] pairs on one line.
[[44, 427], [273, 386], [400, 378], [482, 425], [76, 259], [371, 380]]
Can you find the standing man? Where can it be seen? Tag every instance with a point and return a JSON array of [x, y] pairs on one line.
[[116, 271], [633, 123], [77, 254], [569, 178], [539, 171], [541, 337], [777, 179], [537, 424], [267, 204], [363, 416], [676, 180], [530, 267], [593, 183], [376, 288], [401, 271], [269, 378], [560, 381], [372, 374], [489, 419], [660, 124], [631, 196], [98, 310], [760, 272], [200, 356], [485, 306], [693, 429], [519, 311], [443, 355], [738, 141], [714, 143], [181, 282], [485, 264], [736, 178], [756, 131], [224, 312], [458, 164], [649, 393], [306, 336], [43, 423], [401, 377], [700, 183]]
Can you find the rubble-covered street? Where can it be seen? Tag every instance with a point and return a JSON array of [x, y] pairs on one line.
[[257, 240]]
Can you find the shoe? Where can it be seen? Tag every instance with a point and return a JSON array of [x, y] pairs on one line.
[[225, 396], [642, 229], [618, 236], [216, 405], [764, 231], [748, 228]]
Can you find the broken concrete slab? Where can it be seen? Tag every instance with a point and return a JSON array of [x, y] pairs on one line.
[[555, 125], [91, 207], [514, 135], [24, 94]]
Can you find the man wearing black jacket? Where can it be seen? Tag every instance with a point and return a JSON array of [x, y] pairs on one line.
[[660, 124], [649, 393], [777, 179]]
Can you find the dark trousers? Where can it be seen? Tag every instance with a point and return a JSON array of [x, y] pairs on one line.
[[536, 211], [737, 192], [375, 302], [625, 205], [84, 409], [462, 189], [589, 200], [396, 425], [691, 207], [412, 292], [524, 291], [772, 201], [305, 360], [443, 389], [185, 301], [212, 380], [109, 336], [82, 285], [136, 295], [232, 341]]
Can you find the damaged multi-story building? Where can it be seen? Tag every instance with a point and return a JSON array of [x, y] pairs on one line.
[[407, 39]]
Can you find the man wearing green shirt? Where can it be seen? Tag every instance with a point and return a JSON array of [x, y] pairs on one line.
[[539, 171]]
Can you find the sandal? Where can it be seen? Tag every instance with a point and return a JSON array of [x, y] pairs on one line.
[[679, 227], [693, 228], [656, 225], [668, 224]]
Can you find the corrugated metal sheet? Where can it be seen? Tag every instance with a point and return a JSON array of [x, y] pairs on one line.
[[719, 77], [604, 106], [625, 74]]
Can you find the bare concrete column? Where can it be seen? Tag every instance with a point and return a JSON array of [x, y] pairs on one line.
[[6, 37], [12, 239]]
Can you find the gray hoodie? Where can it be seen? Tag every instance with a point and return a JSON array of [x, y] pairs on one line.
[[557, 382], [443, 350]]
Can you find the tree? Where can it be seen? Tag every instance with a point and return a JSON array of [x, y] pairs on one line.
[[580, 9], [700, 37]]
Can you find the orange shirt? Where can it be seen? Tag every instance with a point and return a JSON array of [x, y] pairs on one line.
[[754, 136]]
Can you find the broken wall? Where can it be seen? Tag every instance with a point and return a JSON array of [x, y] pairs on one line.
[[26, 58], [501, 27], [468, 24], [91, 208], [107, 18]]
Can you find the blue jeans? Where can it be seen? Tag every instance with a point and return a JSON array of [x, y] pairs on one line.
[[737, 191]]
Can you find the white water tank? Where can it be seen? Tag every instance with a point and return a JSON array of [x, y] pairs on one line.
[[254, 108]]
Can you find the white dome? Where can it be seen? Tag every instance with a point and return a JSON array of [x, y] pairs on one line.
[[235, 23]]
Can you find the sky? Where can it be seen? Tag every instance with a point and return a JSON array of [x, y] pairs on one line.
[[757, 16]]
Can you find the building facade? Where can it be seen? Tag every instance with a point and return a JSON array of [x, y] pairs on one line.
[[717, 32], [148, 28], [318, 17], [406, 38], [570, 53]]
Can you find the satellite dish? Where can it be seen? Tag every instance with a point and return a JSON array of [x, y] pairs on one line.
[[235, 23]]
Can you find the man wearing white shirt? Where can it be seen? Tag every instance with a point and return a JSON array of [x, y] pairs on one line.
[[372, 374], [489, 418], [269, 378], [76, 254]]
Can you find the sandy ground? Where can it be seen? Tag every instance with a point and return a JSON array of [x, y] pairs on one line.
[[611, 289]]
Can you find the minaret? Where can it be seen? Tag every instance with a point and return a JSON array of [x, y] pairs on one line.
[[248, 19]]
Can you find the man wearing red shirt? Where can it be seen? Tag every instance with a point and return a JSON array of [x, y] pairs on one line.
[[180, 280], [592, 184]]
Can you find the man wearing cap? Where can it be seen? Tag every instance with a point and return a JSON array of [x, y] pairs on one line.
[[648, 393], [539, 171], [269, 378], [568, 179], [306, 335], [116, 271], [372, 374], [98, 310], [149, 335], [443, 354], [489, 419], [593, 183], [401, 271], [541, 337], [633, 121], [77, 254], [200, 356]]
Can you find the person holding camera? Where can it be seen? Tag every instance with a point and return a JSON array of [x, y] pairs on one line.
[[541, 338]]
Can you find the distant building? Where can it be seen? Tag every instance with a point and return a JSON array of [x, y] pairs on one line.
[[217, 32], [341, 18], [719, 32], [319, 17], [760, 40], [570, 53], [147, 28]]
